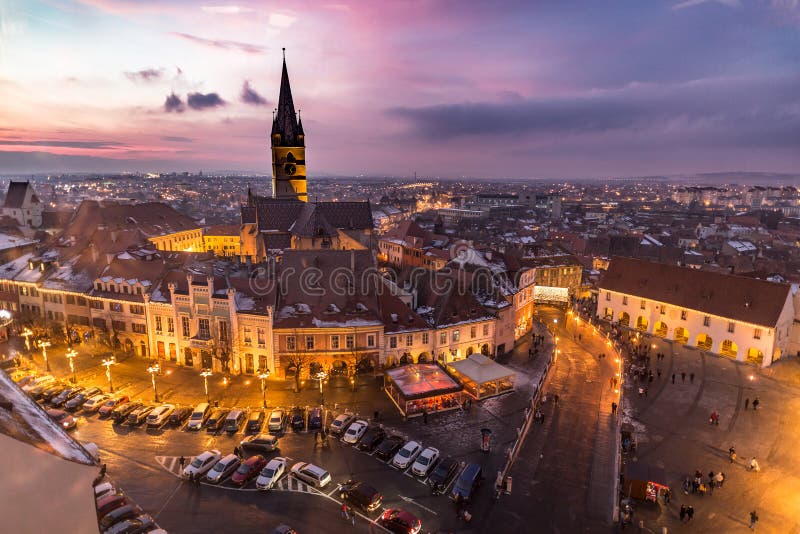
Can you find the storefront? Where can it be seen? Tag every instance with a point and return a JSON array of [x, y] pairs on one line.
[[422, 387], [482, 377], [644, 482]]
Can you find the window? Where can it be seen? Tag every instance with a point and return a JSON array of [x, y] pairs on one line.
[[80, 301], [70, 299], [757, 333], [170, 325], [486, 329], [248, 335], [706, 321], [624, 301], [118, 326], [684, 313], [310, 342], [731, 327], [642, 305], [116, 306], [159, 324], [663, 309], [203, 330], [409, 340], [260, 337], [443, 338], [393, 342], [97, 305], [472, 332], [335, 342], [370, 340], [608, 296], [185, 327], [139, 328], [425, 338], [223, 331], [350, 341], [290, 344], [456, 335], [137, 309]]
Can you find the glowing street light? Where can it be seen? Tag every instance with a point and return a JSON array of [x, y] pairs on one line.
[[43, 345], [107, 363], [321, 376], [27, 333], [263, 377], [205, 374], [154, 369], [71, 354]]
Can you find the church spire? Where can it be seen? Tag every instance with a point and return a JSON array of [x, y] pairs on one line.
[[285, 128]]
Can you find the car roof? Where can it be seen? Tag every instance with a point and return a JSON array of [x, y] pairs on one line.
[[228, 458], [256, 414], [411, 444], [276, 461], [206, 454], [264, 437], [471, 471], [317, 470]]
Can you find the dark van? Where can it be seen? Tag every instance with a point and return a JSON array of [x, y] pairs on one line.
[[467, 482]]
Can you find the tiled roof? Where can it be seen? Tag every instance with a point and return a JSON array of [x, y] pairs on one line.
[[735, 297], [312, 223], [222, 230], [16, 194], [348, 215], [277, 214]]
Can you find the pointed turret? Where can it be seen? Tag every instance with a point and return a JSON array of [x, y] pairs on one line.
[[285, 128]]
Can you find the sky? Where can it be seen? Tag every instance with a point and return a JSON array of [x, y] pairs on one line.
[[446, 88]]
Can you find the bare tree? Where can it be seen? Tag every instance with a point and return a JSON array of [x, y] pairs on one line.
[[297, 358]]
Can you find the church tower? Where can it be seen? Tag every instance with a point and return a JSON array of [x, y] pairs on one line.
[[288, 146]]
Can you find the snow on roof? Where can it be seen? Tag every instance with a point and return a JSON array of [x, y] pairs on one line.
[[422, 380], [124, 256], [11, 241], [347, 323], [481, 369], [742, 246], [245, 303]]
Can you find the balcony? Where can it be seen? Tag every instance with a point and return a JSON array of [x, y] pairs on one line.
[[201, 343]]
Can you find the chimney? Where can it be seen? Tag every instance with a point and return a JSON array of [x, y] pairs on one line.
[[95, 253]]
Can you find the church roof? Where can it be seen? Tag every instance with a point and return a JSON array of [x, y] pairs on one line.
[[348, 215], [312, 223], [285, 122], [16, 195]]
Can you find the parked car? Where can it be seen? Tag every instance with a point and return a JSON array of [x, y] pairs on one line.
[[93, 404], [225, 466], [51, 391], [216, 419], [255, 422], [103, 488], [406, 455], [159, 415], [314, 419], [199, 416], [139, 415], [248, 469], [179, 416], [311, 474], [40, 387], [23, 379], [121, 412], [469, 479], [39, 381], [271, 473], [355, 431], [388, 447], [443, 474], [277, 419], [77, 401], [62, 418], [234, 420], [202, 463], [361, 495], [110, 501], [371, 438], [135, 525], [260, 443], [120, 514], [298, 419], [422, 465], [64, 396], [399, 521], [339, 425], [109, 405]]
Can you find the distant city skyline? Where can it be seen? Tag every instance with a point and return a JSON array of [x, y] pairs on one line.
[[513, 89]]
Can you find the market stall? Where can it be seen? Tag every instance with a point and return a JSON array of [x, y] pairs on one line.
[[644, 482], [482, 377], [422, 387]]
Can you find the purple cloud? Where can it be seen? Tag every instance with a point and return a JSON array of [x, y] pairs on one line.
[[222, 44], [204, 101], [250, 96], [145, 75], [174, 103]]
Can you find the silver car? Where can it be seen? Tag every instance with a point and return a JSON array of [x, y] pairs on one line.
[[223, 468]]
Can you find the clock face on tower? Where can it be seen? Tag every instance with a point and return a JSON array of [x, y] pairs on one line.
[[290, 169]]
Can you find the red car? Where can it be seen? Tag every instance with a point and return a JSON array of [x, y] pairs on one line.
[[108, 406], [249, 469], [400, 521], [110, 502], [66, 420]]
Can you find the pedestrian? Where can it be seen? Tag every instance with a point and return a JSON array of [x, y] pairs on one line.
[[683, 513], [555, 399], [611, 382], [673, 378], [690, 512], [683, 377], [691, 378], [613, 408], [667, 495], [425, 416], [754, 465], [746, 403], [753, 519], [719, 478], [756, 402], [103, 471], [658, 372], [732, 454], [316, 437], [182, 462]]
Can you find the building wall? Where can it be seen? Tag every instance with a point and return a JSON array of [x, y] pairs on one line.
[[366, 344], [223, 245], [523, 304], [186, 241], [568, 276]]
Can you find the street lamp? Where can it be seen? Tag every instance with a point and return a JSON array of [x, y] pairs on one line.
[[27, 333], [107, 363], [205, 374], [154, 369], [71, 354], [263, 377], [43, 345], [320, 376]]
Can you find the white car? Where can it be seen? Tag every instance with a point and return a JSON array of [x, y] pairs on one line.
[[406, 455], [425, 461], [160, 415], [46, 379], [340, 423], [224, 467], [311, 474], [276, 420], [271, 473], [355, 431], [93, 404], [202, 463]]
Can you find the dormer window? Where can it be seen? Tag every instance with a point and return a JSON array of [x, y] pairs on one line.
[[98, 286], [112, 288]]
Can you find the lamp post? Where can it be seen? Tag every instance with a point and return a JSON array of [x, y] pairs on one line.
[[263, 377], [321, 376], [154, 369], [27, 333], [43, 345], [71, 354], [107, 363], [205, 374]]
